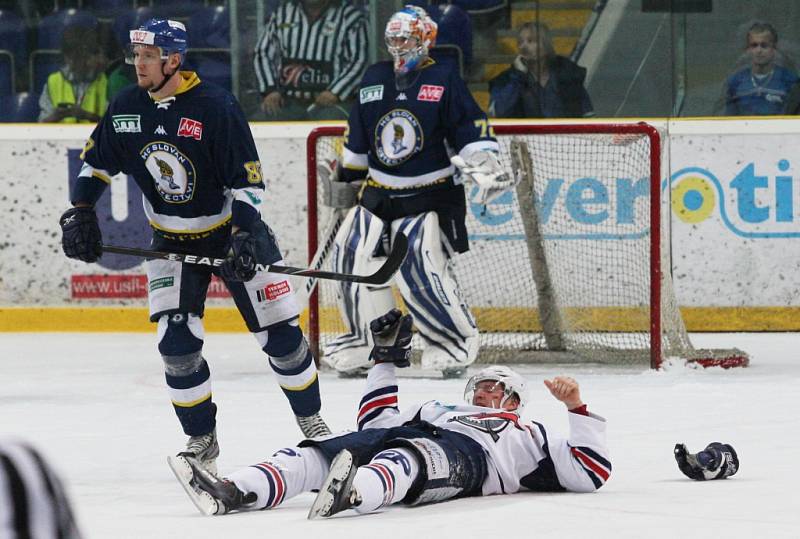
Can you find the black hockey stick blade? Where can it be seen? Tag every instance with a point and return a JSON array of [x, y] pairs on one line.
[[384, 273]]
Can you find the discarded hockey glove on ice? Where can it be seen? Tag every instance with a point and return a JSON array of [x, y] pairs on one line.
[[81, 238], [716, 461], [246, 249], [392, 336]]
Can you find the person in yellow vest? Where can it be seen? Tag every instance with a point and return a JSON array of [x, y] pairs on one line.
[[78, 91]]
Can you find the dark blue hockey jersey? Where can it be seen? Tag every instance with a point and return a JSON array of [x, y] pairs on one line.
[[191, 154], [404, 136]]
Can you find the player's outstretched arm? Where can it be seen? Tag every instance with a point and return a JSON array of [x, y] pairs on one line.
[[392, 336], [566, 390]]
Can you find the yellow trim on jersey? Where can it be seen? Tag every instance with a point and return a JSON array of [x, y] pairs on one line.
[[100, 176], [302, 387], [189, 81], [192, 403], [190, 232]]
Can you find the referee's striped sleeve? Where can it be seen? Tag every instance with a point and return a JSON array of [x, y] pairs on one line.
[[32, 498], [267, 57], [351, 60]]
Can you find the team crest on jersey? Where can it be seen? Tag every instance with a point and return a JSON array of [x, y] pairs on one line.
[[398, 136], [491, 423], [173, 172]]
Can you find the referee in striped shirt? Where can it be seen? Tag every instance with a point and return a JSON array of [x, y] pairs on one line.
[[310, 59], [33, 504]]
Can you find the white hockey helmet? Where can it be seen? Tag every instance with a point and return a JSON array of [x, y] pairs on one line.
[[409, 35], [513, 384]]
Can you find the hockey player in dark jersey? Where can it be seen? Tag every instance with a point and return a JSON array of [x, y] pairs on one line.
[[412, 114], [426, 453], [189, 148]]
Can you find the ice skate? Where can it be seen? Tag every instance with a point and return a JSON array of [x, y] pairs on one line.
[[312, 425], [337, 493], [205, 449], [210, 494], [354, 361]]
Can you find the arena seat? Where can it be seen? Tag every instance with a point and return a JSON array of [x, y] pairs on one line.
[[20, 107], [14, 37], [50, 30]]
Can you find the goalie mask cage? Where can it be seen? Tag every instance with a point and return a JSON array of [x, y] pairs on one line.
[[572, 266]]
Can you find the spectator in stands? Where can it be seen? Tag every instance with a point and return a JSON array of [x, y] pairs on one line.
[[539, 83], [120, 74], [310, 60], [760, 88], [78, 91]]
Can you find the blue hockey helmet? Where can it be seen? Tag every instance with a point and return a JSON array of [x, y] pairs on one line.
[[169, 36]]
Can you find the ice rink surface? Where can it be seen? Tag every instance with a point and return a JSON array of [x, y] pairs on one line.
[[97, 407]]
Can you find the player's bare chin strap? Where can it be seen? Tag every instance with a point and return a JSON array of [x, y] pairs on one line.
[[166, 78]]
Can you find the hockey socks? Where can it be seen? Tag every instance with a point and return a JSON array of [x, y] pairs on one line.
[[386, 479], [286, 474]]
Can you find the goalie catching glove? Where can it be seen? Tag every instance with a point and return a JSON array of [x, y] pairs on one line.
[[484, 169], [246, 249], [716, 461], [392, 336]]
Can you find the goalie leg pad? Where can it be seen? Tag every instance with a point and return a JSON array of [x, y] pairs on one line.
[[180, 341], [432, 295], [285, 474], [293, 364], [358, 249]]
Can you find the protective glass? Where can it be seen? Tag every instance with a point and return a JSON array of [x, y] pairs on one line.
[[484, 384]]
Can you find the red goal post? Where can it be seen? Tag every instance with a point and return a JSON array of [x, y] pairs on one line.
[[585, 212]]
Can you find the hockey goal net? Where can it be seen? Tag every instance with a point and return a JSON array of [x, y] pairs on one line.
[[572, 266]]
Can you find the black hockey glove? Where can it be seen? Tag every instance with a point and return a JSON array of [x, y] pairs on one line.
[[246, 249], [716, 461], [392, 336], [80, 234]]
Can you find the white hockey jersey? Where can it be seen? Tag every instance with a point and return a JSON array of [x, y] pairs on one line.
[[519, 455]]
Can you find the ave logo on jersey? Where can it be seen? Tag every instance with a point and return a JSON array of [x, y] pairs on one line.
[[430, 92], [370, 93], [126, 123], [398, 136], [173, 172], [190, 129]]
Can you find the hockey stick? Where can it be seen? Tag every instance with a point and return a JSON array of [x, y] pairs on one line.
[[328, 236], [384, 273]]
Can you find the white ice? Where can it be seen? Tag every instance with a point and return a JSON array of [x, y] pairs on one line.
[[96, 405]]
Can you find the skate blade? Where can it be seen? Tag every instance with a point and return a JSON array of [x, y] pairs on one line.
[[338, 473], [204, 502]]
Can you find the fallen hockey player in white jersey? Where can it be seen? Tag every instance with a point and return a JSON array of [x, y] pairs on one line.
[[426, 453]]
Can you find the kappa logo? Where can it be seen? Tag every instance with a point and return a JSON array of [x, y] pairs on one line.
[[127, 123], [273, 291], [190, 128], [430, 92], [160, 130], [371, 93], [401, 97]]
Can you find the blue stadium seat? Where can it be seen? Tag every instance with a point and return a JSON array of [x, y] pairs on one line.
[[51, 28], [43, 63], [21, 107], [7, 75], [129, 20], [211, 65], [109, 8], [455, 28], [210, 27], [13, 37], [475, 7]]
